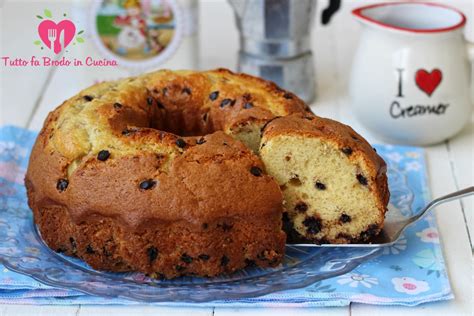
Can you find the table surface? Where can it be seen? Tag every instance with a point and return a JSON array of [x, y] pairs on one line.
[[27, 95]]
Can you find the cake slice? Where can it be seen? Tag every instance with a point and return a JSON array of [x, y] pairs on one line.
[[334, 184]]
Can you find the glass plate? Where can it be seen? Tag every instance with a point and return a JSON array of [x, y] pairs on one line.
[[24, 251]]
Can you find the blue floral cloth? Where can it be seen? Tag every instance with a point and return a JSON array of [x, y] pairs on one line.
[[409, 273]]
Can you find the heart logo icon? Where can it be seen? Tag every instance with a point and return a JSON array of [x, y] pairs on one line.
[[428, 81], [56, 36]]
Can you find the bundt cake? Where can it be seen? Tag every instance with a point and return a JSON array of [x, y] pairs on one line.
[[161, 174]]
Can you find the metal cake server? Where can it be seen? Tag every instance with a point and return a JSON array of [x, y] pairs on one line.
[[396, 223]]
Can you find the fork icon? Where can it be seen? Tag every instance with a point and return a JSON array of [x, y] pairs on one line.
[[52, 37]]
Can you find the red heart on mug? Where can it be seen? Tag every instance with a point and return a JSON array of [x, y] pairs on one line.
[[428, 81]]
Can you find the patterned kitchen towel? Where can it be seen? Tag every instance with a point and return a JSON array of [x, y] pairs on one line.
[[410, 272]]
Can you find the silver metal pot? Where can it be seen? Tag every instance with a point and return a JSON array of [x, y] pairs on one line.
[[275, 41]]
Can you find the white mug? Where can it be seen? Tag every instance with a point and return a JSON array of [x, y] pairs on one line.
[[411, 72]]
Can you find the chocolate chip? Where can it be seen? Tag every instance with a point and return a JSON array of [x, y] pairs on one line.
[[320, 185], [61, 250], [89, 249], [160, 105], [301, 207], [374, 149], [250, 263], [103, 155], [288, 96], [224, 261], [200, 141], [180, 143], [88, 98], [225, 227], [362, 180], [248, 105], [186, 258], [347, 150], [147, 184], [186, 90], [214, 95], [288, 227], [179, 268], [205, 226], [313, 225], [256, 171], [345, 218], [371, 231], [152, 253], [117, 105], [62, 185], [204, 257], [149, 100], [226, 102]]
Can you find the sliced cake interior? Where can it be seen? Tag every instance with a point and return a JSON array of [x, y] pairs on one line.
[[333, 182]]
